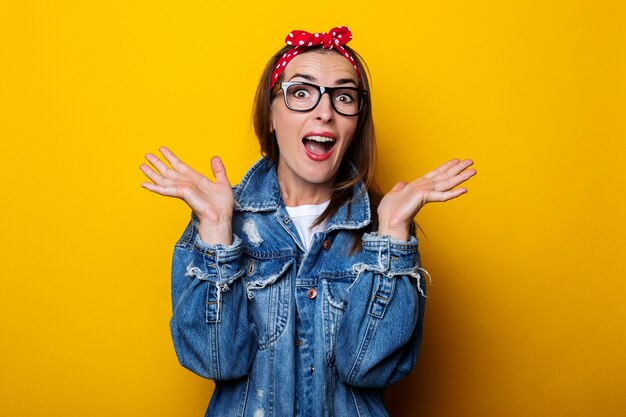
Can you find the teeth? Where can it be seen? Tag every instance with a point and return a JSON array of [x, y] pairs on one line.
[[319, 138]]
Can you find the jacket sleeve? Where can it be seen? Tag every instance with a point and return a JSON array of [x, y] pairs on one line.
[[379, 336], [210, 328]]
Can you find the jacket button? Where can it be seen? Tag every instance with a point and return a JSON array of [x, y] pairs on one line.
[[311, 293], [327, 244]]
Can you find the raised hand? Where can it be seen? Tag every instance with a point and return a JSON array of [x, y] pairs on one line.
[[212, 202], [400, 205]]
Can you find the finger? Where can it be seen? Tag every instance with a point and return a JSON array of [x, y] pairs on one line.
[[149, 172], [169, 191], [457, 168], [175, 161], [440, 196], [219, 171], [160, 166], [450, 183], [399, 186], [441, 168]]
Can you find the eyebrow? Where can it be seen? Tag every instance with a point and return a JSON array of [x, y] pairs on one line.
[[341, 81]]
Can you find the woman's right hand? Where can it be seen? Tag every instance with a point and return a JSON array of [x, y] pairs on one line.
[[212, 202]]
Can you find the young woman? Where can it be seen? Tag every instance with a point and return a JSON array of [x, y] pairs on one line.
[[299, 290]]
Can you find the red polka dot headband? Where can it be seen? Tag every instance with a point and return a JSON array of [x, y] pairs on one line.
[[301, 40]]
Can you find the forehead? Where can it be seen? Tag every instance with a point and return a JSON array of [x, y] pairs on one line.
[[325, 67]]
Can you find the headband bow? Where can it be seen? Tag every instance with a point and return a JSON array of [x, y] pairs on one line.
[[301, 40]]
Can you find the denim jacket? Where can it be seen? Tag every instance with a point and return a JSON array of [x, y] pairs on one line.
[[284, 332]]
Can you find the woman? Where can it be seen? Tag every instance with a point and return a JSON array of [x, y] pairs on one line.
[[298, 291]]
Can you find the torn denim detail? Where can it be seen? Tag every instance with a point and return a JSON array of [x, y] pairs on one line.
[[195, 272], [430, 279], [384, 259], [221, 287], [252, 232], [359, 268], [264, 282], [218, 263]]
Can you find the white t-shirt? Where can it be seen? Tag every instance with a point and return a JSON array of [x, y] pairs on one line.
[[303, 218]]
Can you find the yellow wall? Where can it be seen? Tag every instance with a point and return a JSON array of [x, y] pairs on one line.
[[527, 313]]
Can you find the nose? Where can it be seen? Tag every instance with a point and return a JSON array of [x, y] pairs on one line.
[[324, 109]]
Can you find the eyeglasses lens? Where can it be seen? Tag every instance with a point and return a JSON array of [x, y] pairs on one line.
[[304, 97]]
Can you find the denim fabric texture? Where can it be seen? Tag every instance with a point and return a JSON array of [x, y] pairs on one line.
[[284, 332]]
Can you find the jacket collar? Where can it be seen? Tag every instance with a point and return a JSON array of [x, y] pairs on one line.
[[259, 192]]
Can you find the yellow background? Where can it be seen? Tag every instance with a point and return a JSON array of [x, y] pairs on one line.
[[527, 313]]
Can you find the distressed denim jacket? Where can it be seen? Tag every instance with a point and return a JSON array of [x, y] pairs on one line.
[[284, 332]]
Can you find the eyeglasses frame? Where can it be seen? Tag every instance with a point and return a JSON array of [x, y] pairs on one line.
[[363, 95]]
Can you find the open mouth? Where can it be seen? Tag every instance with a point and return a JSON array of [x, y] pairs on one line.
[[318, 145]]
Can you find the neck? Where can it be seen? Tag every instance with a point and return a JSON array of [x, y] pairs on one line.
[[301, 197], [299, 193]]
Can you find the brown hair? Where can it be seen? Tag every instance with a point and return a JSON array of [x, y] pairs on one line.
[[361, 152]]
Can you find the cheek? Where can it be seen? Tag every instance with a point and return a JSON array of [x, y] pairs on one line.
[[350, 129], [278, 121], [287, 123]]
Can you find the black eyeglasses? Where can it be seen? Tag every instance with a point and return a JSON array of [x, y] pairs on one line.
[[303, 97]]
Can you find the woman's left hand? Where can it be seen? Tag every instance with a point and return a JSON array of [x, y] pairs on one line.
[[400, 205]]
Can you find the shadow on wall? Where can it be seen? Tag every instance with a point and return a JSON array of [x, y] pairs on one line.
[[427, 390], [404, 398]]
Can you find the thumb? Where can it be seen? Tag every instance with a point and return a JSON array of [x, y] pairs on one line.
[[219, 171], [399, 186]]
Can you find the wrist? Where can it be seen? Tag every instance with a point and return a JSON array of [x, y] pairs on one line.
[[395, 232], [216, 233]]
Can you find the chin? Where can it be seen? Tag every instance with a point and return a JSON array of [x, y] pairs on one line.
[[320, 173], [318, 178]]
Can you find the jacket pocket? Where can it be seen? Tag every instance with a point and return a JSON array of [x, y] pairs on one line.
[[269, 293], [335, 291]]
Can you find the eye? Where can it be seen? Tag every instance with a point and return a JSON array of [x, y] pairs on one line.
[[346, 96], [300, 92]]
